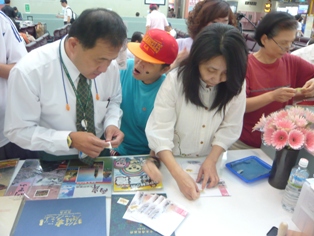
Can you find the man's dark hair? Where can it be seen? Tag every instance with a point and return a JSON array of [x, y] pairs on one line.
[[64, 1], [213, 41], [273, 23], [137, 36], [100, 23], [15, 8], [7, 1], [137, 14]]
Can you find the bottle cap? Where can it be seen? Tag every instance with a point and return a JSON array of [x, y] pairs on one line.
[[303, 162]]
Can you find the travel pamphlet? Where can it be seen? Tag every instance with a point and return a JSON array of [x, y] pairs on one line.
[[120, 226], [60, 217], [81, 180], [192, 167], [156, 212], [35, 184], [129, 175], [7, 168]]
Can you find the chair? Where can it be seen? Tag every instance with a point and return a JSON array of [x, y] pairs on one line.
[[56, 35], [68, 28], [31, 46], [181, 34], [31, 30], [311, 41], [29, 18], [250, 43], [41, 41]]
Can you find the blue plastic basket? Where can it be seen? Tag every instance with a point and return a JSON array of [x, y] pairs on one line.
[[249, 169]]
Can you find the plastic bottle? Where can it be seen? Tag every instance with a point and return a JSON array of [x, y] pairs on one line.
[[297, 177]]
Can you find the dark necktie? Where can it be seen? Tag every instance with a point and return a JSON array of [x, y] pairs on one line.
[[85, 111]]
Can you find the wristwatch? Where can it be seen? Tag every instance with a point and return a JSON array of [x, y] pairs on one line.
[[69, 140]]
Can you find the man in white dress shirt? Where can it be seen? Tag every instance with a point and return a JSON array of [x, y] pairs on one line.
[[42, 99], [67, 12], [156, 20], [12, 49]]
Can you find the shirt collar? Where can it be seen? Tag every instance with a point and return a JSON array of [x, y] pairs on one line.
[[204, 85], [73, 71]]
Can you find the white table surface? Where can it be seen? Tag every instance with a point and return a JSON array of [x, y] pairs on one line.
[[251, 210]]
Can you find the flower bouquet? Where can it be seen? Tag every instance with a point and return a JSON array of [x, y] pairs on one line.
[[287, 131], [292, 128]]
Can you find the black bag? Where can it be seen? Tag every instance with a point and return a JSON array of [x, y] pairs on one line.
[[74, 16]]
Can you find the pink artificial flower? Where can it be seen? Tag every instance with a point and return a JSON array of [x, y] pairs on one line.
[[296, 111], [279, 139], [309, 116], [281, 114], [300, 121], [267, 135], [296, 139], [309, 141], [284, 124], [260, 124]]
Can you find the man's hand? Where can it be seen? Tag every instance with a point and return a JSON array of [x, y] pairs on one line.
[[87, 143], [114, 135]]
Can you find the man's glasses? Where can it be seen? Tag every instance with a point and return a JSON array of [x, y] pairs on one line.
[[285, 49]]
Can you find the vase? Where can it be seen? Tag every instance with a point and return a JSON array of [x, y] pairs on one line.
[[285, 160]]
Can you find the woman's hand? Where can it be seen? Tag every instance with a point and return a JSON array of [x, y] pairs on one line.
[[283, 94], [187, 185], [208, 174], [308, 89]]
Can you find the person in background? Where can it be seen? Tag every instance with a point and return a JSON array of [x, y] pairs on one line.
[[18, 15], [273, 75], [156, 20], [173, 15], [12, 49], [199, 107], [64, 124], [204, 13], [8, 10], [169, 14], [299, 19], [67, 12], [140, 83], [137, 37]]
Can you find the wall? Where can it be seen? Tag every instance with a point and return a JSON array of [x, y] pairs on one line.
[[122, 7], [126, 8]]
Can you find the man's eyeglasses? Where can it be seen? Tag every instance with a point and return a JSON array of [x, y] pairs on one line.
[[285, 49]]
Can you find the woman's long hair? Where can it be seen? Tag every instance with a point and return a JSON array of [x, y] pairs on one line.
[[213, 41]]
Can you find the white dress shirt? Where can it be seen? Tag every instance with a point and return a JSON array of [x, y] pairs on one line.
[[12, 49], [188, 130], [36, 115], [67, 13], [156, 20]]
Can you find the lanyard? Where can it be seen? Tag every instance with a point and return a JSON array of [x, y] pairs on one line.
[[72, 84]]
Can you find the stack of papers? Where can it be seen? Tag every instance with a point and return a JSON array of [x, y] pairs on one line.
[[156, 212]]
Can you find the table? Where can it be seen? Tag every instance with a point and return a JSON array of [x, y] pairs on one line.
[[251, 210]]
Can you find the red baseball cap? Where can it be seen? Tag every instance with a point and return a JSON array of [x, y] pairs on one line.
[[152, 5], [157, 47]]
